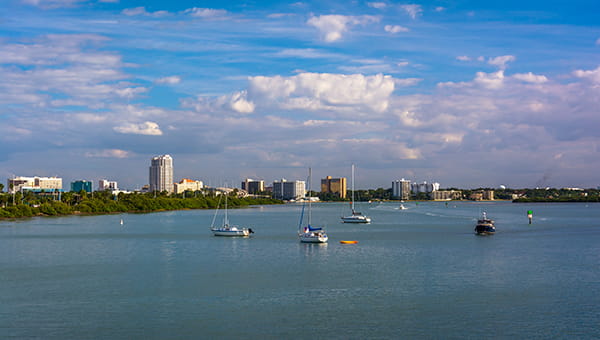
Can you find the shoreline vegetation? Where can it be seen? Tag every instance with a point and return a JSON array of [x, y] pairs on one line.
[[105, 203], [28, 204]]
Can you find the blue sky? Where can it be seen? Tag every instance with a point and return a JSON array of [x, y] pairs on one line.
[[464, 93]]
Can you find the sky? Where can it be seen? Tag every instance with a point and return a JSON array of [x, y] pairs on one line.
[[465, 93]]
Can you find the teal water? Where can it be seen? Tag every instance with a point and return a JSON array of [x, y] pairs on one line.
[[417, 273]]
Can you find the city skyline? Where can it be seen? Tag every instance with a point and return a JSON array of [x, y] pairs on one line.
[[463, 93]]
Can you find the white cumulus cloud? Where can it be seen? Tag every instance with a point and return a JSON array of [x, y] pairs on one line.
[[168, 80], [501, 61], [146, 128], [530, 78], [108, 153], [378, 5], [593, 75], [332, 27], [324, 91], [395, 28], [206, 12], [493, 80], [413, 10]]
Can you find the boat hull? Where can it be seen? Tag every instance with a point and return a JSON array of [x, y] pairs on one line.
[[356, 219], [348, 242], [313, 238], [484, 230], [231, 233]]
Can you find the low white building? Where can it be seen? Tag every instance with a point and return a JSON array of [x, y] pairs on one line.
[[104, 184], [34, 183], [188, 184]]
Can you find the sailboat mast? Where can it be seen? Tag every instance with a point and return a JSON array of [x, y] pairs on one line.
[[352, 188], [226, 221], [309, 194]]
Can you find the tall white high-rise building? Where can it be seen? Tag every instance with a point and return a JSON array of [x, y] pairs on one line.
[[161, 174], [288, 190], [401, 189]]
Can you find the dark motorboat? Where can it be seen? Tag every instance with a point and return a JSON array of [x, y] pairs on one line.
[[485, 226]]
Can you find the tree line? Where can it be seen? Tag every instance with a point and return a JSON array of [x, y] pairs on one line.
[[29, 204]]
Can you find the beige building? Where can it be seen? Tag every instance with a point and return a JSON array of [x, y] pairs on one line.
[[334, 186], [446, 195], [482, 195], [34, 183], [188, 184]]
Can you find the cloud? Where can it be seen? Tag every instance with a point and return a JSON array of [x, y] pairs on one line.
[[236, 102], [239, 103], [52, 4], [142, 11], [463, 58], [108, 153], [308, 53], [530, 78], [323, 91], [206, 13], [378, 5], [592, 75], [146, 128], [598, 41], [395, 28], [413, 10], [332, 27], [501, 61], [63, 70], [171, 80], [440, 9]]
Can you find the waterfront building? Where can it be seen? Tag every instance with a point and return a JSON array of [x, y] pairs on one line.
[[253, 187], [288, 190], [161, 174], [39, 184], [401, 189], [188, 184], [446, 195], [84, 185], [424, 187], [482, 195], [334, 186], [104, 184]]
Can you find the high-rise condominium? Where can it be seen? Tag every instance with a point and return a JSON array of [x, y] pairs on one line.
[[161, 173]]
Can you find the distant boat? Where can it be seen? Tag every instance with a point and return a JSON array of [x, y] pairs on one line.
[[485, 226], [402, 207], [356, 216], [121, 222], [226, 229], [348, 242], [308, 234]]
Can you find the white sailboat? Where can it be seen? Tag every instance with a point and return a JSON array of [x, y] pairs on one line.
[[356, 216], [226, 229], [307, 233]]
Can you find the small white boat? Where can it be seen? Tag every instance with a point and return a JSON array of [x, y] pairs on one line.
[[402, 207], [228, 230], [356, 216], [308, 234]]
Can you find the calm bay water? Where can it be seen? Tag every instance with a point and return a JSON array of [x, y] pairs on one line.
[[416, 273]]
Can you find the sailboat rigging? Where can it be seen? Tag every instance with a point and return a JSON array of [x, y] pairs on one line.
[[356, 216]]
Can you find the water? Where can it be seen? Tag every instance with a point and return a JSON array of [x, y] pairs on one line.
[[416, 273]]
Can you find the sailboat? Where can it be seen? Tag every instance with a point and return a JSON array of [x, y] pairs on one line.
[[307, 233], [225, 229], [356, 216]]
